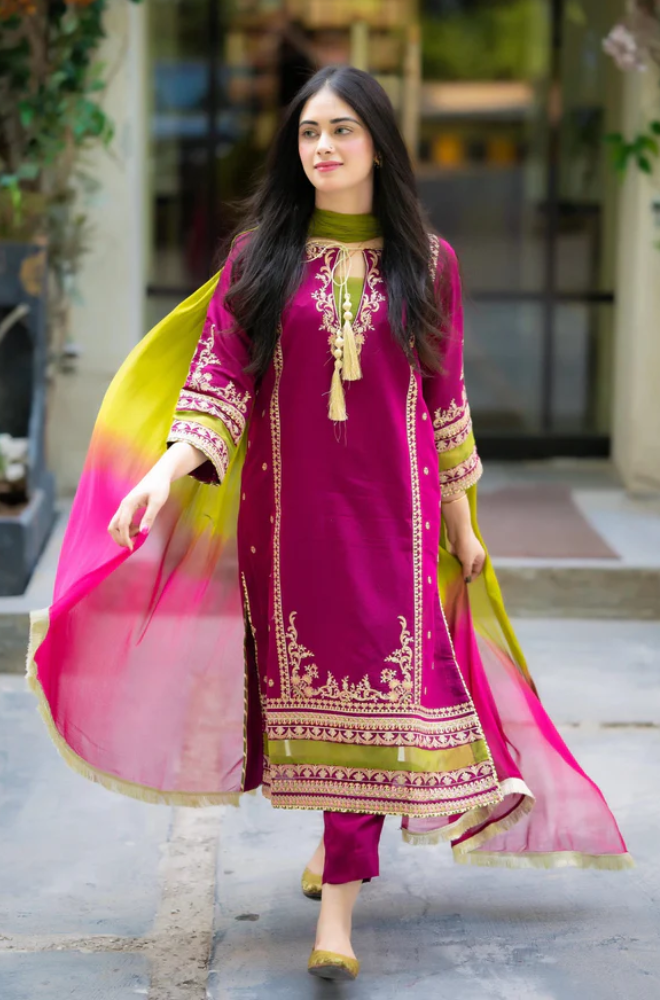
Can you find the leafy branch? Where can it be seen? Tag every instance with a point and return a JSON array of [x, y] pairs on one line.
[[643, 149], [51, 89]]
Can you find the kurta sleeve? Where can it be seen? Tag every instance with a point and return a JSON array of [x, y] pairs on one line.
[[444, 391], [216, 400]]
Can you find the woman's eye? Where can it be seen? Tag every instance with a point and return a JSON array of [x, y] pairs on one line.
[[311, 134]]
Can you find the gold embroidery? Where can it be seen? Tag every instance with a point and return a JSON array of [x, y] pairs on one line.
[[369, 302], [454, 412], [231, 410], [316, 248], [429, 720], [225, 402], [308, 786], [205, 440], [445, 784], [348, 734], [461, 476], [371, 299], [303, 674], [453, 425], [280, 637], [434, 244], [350, 799], [417, 550], [198, 379], [401, 690], [301, 683], [444, 442]]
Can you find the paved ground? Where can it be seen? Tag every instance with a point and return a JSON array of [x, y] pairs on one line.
[[103, 898]]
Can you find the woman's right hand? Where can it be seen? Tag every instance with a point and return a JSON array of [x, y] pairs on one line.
[[151, 492]]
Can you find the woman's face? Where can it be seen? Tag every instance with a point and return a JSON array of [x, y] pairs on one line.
[[336, 148]]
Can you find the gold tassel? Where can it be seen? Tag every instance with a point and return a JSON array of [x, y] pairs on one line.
[[337, 408], [352, 370]]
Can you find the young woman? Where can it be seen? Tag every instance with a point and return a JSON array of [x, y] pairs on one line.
[[323, 423]]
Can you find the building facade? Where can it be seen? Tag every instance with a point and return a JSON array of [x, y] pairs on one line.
[[504, 105]]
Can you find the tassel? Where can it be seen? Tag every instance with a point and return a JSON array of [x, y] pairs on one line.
[[352, 370], [337, 408]]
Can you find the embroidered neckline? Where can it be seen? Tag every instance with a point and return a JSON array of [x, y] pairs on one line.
[[369, 301]]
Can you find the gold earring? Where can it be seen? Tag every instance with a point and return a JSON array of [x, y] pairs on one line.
[[377, 161]]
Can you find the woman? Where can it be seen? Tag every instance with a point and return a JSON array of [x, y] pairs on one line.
[[325, 395]]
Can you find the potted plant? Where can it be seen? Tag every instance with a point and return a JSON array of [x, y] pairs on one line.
[[51, 114]]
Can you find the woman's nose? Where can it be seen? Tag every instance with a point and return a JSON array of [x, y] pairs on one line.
[[325, 144]]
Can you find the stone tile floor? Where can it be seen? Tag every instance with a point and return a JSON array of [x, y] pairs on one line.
[[104, 898]]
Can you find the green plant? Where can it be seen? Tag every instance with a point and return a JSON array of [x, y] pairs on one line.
[[633, 44], [643, 148], [51, 89], [485, 42]]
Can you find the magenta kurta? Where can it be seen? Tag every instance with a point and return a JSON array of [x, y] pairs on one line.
[[321, 665], [360, 700]]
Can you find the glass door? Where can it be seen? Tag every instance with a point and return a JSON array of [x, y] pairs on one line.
[[516, 99], [503, 105]]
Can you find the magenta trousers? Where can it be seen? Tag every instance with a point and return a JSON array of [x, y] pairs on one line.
[[351, 847]]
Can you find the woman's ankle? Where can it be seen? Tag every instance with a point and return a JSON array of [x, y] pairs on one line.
[[317, 860], [334, 927]]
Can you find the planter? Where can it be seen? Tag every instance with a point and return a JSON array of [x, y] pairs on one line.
[[27, 515]]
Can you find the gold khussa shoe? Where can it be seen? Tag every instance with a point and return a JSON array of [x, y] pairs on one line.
[[331, 965], [311, 884]]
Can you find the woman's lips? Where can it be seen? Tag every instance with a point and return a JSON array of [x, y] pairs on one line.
[[323, 167]]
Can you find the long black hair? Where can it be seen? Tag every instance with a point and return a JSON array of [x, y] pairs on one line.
[[268, 266]]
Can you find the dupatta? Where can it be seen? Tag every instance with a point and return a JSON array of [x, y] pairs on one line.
[[137, 663]]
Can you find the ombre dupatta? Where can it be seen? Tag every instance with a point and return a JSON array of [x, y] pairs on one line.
[[139, 663]]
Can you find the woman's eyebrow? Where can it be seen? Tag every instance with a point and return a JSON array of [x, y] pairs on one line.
[[333, 121]]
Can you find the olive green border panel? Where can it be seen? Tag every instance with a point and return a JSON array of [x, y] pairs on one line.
[[455, 456], [376, 758]]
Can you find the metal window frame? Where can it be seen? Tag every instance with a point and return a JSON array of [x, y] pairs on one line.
[[547, 443]]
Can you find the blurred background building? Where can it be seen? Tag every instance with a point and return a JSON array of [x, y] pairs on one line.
[[504, 105]]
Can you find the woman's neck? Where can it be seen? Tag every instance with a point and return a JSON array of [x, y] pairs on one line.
[[346, 202]]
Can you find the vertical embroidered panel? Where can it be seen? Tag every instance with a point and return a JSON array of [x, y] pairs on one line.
[[411, 427], [280, 633]]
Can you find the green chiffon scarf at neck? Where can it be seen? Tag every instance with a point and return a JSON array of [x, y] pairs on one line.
[[344, 228]]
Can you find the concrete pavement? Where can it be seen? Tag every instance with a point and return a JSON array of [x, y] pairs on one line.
[[104, 898]]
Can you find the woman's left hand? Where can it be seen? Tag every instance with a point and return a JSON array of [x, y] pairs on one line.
[[470, 553], [463, 543]]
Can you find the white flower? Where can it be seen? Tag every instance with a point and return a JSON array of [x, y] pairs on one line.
[[622, 45], [14, 472], [13, 449]]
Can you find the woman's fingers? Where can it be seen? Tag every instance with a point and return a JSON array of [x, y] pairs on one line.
[[155, 502], [478, 564], [121, 525], [126, 510], [472, 560], [123, 528]]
